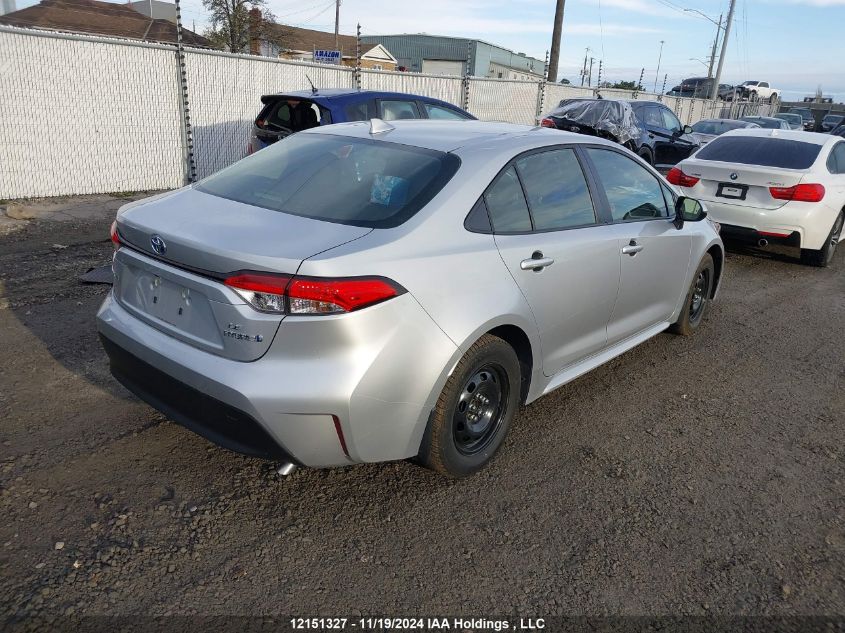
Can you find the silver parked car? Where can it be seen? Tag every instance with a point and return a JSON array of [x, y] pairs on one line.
[[367, 292]]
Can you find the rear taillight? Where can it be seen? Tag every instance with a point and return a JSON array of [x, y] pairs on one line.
[[548, 123], [115, 238], [263, 291], [309, 295], [804, 192], [679, 178]]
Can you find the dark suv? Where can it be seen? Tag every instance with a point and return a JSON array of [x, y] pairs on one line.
[[285, 113], [649, 129]]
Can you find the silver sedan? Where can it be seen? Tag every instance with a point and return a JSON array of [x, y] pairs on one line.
[[371, 291]]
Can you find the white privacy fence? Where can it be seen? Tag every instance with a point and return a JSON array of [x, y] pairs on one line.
[[84, 114]]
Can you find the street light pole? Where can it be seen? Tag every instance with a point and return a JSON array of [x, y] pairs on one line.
[[659, 59], [715, 44], [715, 93]]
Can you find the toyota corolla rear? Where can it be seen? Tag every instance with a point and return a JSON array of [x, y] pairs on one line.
[[760, 186], [210, 321]]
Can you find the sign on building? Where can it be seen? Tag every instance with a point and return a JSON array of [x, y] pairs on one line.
[[327, 57]]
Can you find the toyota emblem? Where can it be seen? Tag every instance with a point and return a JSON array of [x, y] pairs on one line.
[[734, 176], [158, 244]]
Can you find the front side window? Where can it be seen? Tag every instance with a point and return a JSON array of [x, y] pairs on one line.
[[652, 116], [442, 114], [556, 189], [632, 191], [670, 121], [395, 110], [355, 181], [506, 204]]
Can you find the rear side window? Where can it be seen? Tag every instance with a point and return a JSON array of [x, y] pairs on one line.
[[632, 191], [394, 110], [652, 116], [765, 151], [557, 192], [506, 204], [357, 111], [361, 182], [836, 160], [443, 114]]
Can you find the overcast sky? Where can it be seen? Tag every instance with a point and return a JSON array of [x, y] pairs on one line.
[[795, 45]]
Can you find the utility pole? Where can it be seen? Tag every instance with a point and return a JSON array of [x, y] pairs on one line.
[[584, 69], [659, 59], [336, 23], [715, 44], [715, 93], [556, 34]]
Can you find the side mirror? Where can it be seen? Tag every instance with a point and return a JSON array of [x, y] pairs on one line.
[[688, 130], [688, 210]]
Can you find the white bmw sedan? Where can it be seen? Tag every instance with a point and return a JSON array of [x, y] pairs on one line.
[[772, 186]]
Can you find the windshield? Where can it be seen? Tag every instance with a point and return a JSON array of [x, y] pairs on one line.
[[803, 113], [717, 127], [789, 117], [761, 150], [340, 179], [750, 83]]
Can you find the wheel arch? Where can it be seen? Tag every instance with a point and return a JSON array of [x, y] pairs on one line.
[[516, 337], [718, 254]]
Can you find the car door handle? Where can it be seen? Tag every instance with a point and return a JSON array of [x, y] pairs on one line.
[[536, 263], [632, 248]]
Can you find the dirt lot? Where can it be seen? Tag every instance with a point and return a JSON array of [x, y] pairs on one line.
[[701, 475]]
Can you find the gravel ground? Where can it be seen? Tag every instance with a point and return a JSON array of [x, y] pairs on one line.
[[691, 476]]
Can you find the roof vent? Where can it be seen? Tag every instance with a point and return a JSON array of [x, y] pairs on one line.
[[377, 126]]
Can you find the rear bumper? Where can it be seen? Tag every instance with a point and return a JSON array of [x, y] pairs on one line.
[[801, 224], [213, 419], [330, 391], [752, 236]]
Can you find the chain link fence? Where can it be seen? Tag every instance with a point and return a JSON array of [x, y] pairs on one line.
[[84, 114], [87, 115]]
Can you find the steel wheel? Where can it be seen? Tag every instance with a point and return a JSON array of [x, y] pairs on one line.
[[700, 292], [481, 406]]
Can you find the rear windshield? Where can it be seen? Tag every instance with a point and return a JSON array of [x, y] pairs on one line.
[[763, 151], [354, 181]]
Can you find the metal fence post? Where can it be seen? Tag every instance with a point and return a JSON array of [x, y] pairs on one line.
[[357, 71], [467, 74], [191, 167], [541, 90]]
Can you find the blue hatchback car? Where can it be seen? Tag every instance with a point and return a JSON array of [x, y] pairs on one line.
[[289, 112]]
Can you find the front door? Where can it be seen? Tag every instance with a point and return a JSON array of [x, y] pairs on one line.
[[565, 262], [654, 254]]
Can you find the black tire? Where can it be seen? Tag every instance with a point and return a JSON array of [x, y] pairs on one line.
[[824, 256], [697, 299], [645, 154], [469, 422]]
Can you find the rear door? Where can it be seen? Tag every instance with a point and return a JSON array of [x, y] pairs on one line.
[[564, 259], [654, 254]]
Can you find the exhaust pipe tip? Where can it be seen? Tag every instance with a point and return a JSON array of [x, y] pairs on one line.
[[762, 242], [286, 469]]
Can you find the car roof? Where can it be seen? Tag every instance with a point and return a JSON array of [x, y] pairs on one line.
[[447, 136], [326, 94], [790, 135]]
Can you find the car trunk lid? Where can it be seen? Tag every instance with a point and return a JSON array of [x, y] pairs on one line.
[[742, 185], [183, 245]]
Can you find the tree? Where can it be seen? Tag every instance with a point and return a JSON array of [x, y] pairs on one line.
[[235, 22], [625, 85]]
